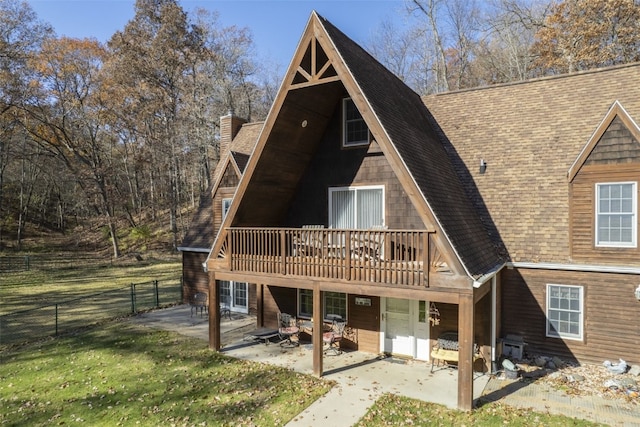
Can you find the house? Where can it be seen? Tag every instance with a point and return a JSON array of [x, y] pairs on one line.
[[237, 139], [350, 205], [559, 192], [499, 211]]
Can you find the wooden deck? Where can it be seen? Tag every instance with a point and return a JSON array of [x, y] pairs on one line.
[[378, 256]]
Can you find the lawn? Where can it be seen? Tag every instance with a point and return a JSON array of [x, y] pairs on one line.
[[121, 374], [26, 289], [393, 410], [50, 301]]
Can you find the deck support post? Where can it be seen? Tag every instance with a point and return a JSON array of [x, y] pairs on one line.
[[260, 305], [316, 335], [465, 356], [214, 313]]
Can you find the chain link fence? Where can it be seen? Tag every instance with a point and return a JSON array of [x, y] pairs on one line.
[[65, 316]]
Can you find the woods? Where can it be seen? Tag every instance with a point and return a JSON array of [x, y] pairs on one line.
[[126, 133]]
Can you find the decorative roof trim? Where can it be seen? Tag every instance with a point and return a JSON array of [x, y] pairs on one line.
[[616, 110]]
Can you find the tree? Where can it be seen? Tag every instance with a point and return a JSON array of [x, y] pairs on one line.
[[21, 35], [150, 61], [66, 113], [585, 34]]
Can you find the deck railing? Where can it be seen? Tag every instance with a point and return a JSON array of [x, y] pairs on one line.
[[380, 256]]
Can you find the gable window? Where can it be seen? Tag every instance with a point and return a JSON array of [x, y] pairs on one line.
[[226, 204], [356, 207], [616, 214], [334, 303], [355, 131], [564, 311]]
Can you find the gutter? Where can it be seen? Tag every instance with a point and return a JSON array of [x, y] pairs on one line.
[[575, 267], [488, 276]]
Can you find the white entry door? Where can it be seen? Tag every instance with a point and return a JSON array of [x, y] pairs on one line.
[[398, 326]]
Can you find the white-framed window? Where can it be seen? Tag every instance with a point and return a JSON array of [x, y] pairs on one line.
[[616, 214], [334, 303], [226, 204], [235, 295], [565, 311], [354, 129], [356, 207]]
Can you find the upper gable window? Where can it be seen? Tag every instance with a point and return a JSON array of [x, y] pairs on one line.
[[616, 211], [355, 131], [226, 204]]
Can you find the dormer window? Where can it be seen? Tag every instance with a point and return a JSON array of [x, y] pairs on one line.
[[355, 132], [616, 214]]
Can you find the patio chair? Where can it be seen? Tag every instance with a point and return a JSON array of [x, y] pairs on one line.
[[333, 337], [199, 301], [288, 329], [225, 307]]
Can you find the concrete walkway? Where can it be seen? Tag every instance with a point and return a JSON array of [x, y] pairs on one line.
[[361, 378]]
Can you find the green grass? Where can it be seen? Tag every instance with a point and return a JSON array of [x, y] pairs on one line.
[[23, 290], [393, 410], [121, 374]]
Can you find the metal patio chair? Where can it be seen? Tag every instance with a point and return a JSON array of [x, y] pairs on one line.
[[333, 337], [288, 329]]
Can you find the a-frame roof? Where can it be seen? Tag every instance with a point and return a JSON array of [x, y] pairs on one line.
[[200, 234], [398, 120]]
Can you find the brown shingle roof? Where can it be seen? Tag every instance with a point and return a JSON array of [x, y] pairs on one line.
[[530, 133], [408, 125], [200, 236]]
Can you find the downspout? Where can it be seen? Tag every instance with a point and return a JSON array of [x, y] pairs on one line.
[[494, 325]]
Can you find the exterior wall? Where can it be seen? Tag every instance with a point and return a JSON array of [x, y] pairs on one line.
[[221, 194], [611, 314], [334, 166], [363, 325], [615, 158], [194, 279]]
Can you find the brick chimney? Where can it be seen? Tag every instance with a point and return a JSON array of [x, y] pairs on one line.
[[229, 127]]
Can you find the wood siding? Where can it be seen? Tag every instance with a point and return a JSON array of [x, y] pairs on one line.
[[583, 206], [611, 314], [363, 323], [334, 166], [194, 279], [614, 158]]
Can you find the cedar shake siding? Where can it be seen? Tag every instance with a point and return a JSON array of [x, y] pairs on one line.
[[335, 166]]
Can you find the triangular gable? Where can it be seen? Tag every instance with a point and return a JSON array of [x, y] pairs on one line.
[[616, 112], [300, 114]]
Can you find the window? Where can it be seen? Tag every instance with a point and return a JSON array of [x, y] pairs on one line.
[[235, 295], [334, 303], [356, 207], [355, 131], [226, 204], [564, 311], [616, 214]]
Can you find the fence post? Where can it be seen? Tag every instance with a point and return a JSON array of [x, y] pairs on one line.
[[27, 261], [155, 285], [56, 319], [133, 298]]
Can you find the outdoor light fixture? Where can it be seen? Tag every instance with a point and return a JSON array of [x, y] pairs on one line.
[[483, 166], [637, 292]]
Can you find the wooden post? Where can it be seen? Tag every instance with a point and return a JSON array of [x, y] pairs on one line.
[[214, 313], [316, 335], [465, 352], [260, 305]]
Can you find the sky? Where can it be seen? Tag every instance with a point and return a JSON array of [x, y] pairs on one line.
[[276, 25]]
